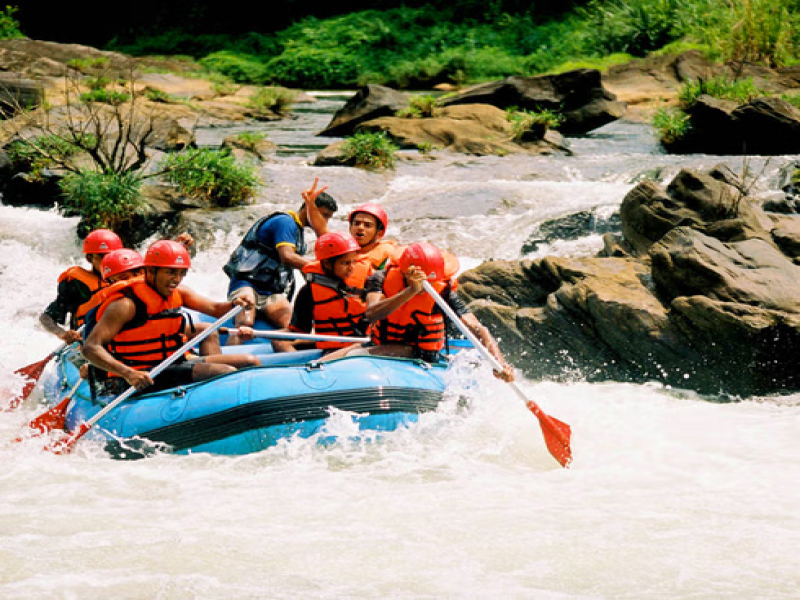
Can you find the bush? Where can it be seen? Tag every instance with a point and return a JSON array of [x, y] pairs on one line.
[[9, 26], [370, 150], [211, 175], [104, 200], [33, 155], [105, 97], [723, 88], [532, 125], [671, 124], [272, 99], [421, 107], [633, 26], [237, 67]]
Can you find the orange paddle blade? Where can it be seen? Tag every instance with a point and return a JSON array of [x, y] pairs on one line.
[[32, 371], [556, 434], [52, 419]]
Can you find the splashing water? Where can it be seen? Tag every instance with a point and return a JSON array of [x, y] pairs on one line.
[[671, 495]]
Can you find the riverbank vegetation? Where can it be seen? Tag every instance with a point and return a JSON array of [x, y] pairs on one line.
[[415, 47]]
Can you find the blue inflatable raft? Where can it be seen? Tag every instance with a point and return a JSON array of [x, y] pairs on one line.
[[252, 409]]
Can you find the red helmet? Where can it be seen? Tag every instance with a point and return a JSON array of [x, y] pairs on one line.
[[425, 256], [331, 245], [168, 254], [119, 261], [371, 209], [101, 241]]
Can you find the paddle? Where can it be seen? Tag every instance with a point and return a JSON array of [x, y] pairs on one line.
[[55, 417], [64, 446], [556, 434], [33, 371], [288, 335]]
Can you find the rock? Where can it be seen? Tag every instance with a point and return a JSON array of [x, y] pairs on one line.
[[478, 129], [370, 102], [571, 227], [244, 149], [578, 96], [18, 94], [709, 298]]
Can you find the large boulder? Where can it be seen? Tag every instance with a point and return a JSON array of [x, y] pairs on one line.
[[478, 129], [579, 96], [707, 299], [767, 126], [370, 102]]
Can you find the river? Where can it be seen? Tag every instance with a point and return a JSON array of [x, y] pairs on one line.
[[670, 495]]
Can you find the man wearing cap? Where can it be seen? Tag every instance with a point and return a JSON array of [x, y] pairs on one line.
[[261, 268], [142, 324]]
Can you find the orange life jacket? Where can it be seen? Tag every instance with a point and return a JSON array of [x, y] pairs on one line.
[[92, 281], [418, 322], [374, 257], [104, 293], [338, 307], [154, 333]]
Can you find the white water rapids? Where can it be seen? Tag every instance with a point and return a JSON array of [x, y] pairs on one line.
[[670, 495]]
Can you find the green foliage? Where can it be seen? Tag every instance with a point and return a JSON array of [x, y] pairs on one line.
[[633, 26], [793, 99], [370, 150], [272, 99], [250, 139], [9, 26], [155, 95], [211, 175], [238, 67], [723, 88], [468, 41], [529, 125], [671, 124], [105, 96], [33, 155], [421, 107], [89, 65], [104, 200]]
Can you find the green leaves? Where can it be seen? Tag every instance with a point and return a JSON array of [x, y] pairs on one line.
[[211, 175], [104, 200]]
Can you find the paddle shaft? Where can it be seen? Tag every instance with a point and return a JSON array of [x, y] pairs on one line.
[[287, 335], [555, 432], [87, 425]]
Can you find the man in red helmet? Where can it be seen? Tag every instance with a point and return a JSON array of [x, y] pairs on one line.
[[142, 324], [368, 224], [77, 285], [330, 303], [407, 321], [261, 268]]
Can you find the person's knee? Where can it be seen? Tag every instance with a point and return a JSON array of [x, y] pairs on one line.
[[250, 360], [207, 370]]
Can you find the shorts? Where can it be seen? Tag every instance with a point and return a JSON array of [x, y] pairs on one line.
[[262, 301]]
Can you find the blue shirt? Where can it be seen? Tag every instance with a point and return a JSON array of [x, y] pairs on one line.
[[280, 230]]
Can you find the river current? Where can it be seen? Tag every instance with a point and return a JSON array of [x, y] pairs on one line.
[[670, 495]]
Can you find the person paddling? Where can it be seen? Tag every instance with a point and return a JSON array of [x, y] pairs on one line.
[[77, 285], [331, 303], [142, 324], [406, 319]]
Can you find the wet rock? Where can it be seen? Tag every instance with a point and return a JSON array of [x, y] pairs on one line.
[[370, 102], [579, 96], [709, 298], [571, 227]]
